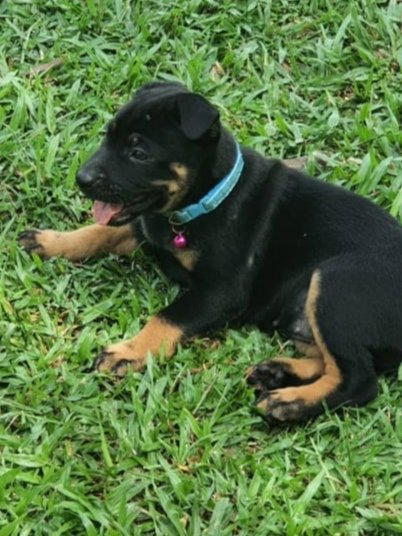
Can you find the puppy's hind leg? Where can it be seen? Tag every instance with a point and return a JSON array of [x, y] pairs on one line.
[[344, 369]]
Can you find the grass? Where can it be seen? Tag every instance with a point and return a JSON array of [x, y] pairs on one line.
[[177, 450]]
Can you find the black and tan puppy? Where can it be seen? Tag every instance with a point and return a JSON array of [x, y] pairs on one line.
[[251, 241]]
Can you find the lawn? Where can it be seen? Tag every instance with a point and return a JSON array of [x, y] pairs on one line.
[[178, 450]]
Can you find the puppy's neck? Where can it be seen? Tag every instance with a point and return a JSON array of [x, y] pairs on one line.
[[224, 158], [218, 164]]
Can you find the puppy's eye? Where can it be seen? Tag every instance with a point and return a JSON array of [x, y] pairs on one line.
[[138, 154]]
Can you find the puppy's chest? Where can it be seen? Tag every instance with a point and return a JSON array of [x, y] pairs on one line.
[[159, 234]]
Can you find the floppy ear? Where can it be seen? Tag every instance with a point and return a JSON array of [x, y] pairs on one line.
[[196, 115]]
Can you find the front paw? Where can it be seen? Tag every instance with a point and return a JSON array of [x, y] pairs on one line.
[[118, 359], [39, 242]]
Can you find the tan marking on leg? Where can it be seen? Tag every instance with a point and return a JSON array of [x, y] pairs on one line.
[[187, 258], [85, 242], [281, 372], [304, 369], [157, 336], [332, 375], [308, 394], [287, 403], [310, 350]]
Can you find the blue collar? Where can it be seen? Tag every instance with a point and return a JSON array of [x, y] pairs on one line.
[[214, 197]]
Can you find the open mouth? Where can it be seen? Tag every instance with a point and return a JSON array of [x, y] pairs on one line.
[[119, 213], [109, 213]]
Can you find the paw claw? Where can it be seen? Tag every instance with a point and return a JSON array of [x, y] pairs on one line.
[[100, 358], [28, 234]]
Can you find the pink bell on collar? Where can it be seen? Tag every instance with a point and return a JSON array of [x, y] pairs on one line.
[[179, 241]]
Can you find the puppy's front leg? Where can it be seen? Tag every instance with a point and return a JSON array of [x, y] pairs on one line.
[[80, 244], [195, 312], [157, 336]]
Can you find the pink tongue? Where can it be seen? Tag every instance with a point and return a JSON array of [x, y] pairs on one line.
[[104, 212]]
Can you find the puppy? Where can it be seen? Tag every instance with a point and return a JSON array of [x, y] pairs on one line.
[[250, 241]]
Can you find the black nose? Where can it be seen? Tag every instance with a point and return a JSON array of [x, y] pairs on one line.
[[88, 177]]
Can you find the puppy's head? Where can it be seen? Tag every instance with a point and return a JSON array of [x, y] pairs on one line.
[[154, 151]]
